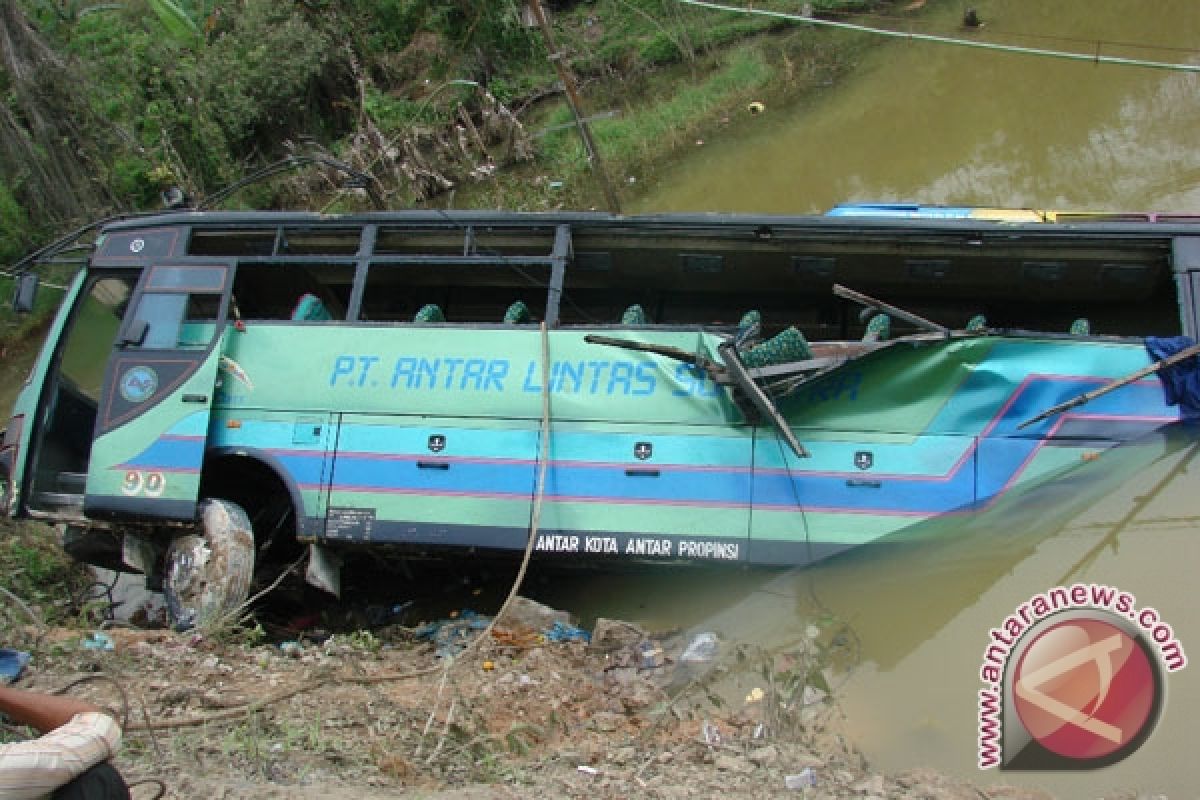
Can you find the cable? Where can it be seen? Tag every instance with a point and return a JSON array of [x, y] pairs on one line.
[[538, 496], [1095, 58], [363, 180]]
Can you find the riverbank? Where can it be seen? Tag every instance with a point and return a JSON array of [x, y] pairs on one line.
[[424, 707], [644, 120]]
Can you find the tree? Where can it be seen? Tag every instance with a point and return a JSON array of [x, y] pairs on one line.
[[50, 139]]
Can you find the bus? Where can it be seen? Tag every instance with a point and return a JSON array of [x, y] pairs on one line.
[[220, 391]]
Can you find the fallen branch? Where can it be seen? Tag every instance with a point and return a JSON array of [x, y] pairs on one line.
[[29, 611]]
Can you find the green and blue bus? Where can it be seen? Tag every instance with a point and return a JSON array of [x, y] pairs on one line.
[[221, 390]]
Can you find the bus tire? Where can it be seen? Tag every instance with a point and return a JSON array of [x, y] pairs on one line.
[[207, 574]]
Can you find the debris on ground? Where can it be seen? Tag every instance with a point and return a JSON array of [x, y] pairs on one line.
[[533, 708]]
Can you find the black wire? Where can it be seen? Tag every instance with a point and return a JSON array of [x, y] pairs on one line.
[[365, 181]]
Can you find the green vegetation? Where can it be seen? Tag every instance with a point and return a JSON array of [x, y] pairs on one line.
[[35, 570], [109, 104]]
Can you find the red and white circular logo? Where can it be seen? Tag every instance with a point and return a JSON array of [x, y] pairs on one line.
[[1086, 689]]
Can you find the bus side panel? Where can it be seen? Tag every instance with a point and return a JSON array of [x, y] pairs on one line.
[[432, 481], [647, 491], [853, 489], [296, 445]]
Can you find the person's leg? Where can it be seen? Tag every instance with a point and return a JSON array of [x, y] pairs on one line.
[[101, 782]]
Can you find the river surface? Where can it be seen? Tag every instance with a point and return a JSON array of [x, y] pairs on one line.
[[939, 124], [934, 123]]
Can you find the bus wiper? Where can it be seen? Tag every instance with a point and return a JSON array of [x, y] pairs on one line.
[[899, 313], [757, 397], [677, 353], [732, 373]]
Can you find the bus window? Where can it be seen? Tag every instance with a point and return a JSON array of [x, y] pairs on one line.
[[93, 329], [272, 291], [177, 321]]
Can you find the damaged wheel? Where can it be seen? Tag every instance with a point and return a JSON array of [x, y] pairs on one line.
[[208, 573]]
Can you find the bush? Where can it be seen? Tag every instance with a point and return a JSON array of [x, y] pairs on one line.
[[661, 49], [260, 79]]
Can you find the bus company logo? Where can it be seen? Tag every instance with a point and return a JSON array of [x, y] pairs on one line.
[[1073, 680], [138, 384]]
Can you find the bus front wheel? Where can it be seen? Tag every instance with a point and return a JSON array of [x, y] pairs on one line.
[[208, 573]]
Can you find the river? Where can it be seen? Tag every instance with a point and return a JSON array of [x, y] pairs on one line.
[[934, 123]]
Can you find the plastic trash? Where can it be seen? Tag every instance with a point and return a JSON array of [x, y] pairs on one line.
[[12, 664], [98, 640], [650, 655], [702, 649], [562, 632], [451, 636], [712, 734], [806, 777]]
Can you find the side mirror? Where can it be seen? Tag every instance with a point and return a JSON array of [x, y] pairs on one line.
[[135, 333], [24, 292]]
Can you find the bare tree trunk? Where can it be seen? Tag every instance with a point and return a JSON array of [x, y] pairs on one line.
[[50, 139]]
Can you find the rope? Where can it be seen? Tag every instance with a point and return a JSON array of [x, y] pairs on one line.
[[539, 493], [1095, 58]]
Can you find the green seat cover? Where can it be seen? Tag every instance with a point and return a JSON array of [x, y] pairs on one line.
[[634, 315], [431, 312], [785, 346], [518, 314], [878, 329]]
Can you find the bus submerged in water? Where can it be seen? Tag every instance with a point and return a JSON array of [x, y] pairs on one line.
[[221, 390]]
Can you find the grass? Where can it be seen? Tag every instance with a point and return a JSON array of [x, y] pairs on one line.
[[659, 115], [34, 568]]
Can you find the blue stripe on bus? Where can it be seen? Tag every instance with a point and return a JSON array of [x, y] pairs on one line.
[[716, 482]]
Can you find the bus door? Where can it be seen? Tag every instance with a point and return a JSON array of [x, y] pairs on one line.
[[153, 414]]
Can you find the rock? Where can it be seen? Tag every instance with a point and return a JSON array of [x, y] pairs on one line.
[[730, 763], [764, 756], [615, 634], [639, 697], [872, 785], [813, 695], [623, 755], [607, 721], [622, 676]]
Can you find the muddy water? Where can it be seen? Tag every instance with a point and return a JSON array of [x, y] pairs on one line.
[[938, 124]]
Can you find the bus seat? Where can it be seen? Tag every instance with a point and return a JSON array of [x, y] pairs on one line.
[[879, 328], [785, 346], [749, 328], [430, 312], [977, 324], [634, 315], [1081, 327], [518, 314], [310, 309]]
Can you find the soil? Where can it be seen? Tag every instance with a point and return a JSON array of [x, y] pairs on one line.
[[378, 713]]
